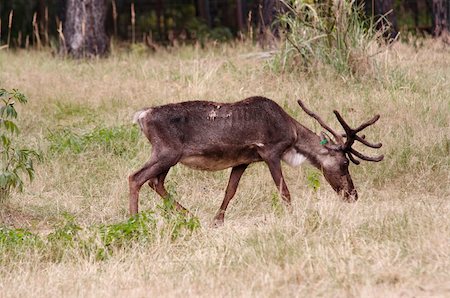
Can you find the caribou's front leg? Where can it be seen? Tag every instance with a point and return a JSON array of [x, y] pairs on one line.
[[233, 182], [277, 175], [272, 157]]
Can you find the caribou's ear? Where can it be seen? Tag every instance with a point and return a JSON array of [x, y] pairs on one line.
[[328, 143], [325, 140]]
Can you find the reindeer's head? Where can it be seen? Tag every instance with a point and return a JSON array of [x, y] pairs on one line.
[[335, 155]]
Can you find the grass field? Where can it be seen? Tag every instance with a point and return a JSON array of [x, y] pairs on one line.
[[395, 241]]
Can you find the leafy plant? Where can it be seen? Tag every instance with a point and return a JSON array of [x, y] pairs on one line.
[[334, 33], [16, 237], [203, 33], [139, 228], [177, 222], [66, 231], [70, 239], [276, 204], [115, 140], [313, 178], [14, 161]]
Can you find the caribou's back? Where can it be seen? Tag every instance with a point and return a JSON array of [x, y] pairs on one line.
[[214, 136], [204, 123]]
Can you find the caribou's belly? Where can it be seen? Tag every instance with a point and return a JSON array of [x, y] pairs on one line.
[[206, 163]]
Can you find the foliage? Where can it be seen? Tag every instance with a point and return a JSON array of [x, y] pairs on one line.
[[329, 33], [177, 221], [138, 229], [14, 161], [203, 33], [99, 241], [313, 178], [114, 140], [16, 237]]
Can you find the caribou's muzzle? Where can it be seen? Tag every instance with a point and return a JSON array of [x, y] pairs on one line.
[[350, 196]]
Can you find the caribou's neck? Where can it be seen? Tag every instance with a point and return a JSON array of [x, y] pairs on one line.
[[308, 144]]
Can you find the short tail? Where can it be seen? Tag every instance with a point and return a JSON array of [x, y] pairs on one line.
[[139, 115]]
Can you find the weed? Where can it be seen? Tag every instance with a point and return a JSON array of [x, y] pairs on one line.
[[66, 231], [119, 141], [100, 241], [62, 110], [313, 178], [329, 33], [138, 229], [276, 203], [14, 161], [177, 221], [13, 238]]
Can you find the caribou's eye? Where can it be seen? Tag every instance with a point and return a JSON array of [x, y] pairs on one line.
[[345, 162]]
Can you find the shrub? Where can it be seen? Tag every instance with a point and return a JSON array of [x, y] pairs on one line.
[[119, 141], [328, 33], [14, 161]]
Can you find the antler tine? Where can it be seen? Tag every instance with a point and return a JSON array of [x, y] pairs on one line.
[[367, 123], [353, 159], [351, 134], [337, 136], [367, 143], [364, 157], [344, 124]]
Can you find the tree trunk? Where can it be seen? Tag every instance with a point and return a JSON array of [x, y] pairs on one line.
[[385, 8], [440, 17], [159, 13], [268, 10], [239, 16], [203, 11], [84, 28]]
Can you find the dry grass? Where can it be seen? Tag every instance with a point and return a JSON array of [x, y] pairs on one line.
[[393, 242]]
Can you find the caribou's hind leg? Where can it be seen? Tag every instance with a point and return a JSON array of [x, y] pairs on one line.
[[159, 164], [157, 184]]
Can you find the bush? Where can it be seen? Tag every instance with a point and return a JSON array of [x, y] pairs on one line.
[[15, 162], [329, 33], [119, 141]]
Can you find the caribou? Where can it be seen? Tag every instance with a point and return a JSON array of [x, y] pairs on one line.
[[214, 136]]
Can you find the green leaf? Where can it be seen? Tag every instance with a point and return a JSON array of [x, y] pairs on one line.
[[6, 142], [3, 180], [313, 178], [16, 162], [3, 92], [11, 111], [20, 97], [10, 126]]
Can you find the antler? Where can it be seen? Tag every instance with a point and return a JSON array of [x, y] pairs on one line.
[[337, 136], [350, 135]]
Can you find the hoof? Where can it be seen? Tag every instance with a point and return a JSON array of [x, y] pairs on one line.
[[217, 222]]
